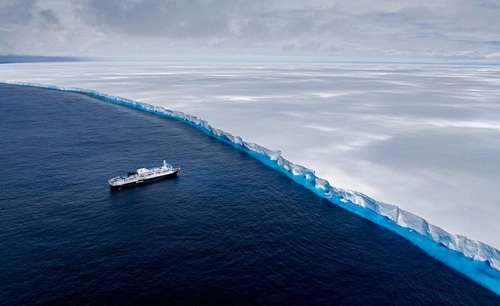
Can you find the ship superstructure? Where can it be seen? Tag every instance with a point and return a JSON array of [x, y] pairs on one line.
[[143, 176]]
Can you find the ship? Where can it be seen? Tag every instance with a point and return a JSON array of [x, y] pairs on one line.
[[143, 176]]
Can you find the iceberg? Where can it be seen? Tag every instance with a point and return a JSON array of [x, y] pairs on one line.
[[475, 259]]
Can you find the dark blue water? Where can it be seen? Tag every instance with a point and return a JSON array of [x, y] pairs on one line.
[[228, 230]]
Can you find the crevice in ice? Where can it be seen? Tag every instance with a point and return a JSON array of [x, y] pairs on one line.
[[394, 218]]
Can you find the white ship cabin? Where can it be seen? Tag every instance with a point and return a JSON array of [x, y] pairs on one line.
[[144, 171]]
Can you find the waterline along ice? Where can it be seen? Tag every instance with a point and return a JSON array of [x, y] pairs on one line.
[[475, 259]]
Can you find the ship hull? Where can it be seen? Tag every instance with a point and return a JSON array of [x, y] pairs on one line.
[[143, 181]]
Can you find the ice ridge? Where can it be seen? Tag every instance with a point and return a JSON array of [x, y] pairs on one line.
[[452, 249]]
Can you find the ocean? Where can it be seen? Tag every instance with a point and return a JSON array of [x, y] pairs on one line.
[[227, 230]]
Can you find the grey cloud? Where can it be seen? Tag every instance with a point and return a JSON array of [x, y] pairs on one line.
[[332, 28], [16, 12], [49, 18], [179, 19], [24, 13], [20, 22]]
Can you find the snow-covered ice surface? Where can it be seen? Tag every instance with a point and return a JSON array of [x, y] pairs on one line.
[[423, 137]]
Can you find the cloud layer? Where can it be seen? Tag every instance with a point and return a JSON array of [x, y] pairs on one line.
[[341, 29]]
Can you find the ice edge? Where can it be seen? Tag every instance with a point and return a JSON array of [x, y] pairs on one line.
[[456, 251]]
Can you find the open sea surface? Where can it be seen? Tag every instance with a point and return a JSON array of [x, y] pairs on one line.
[[227, 230]]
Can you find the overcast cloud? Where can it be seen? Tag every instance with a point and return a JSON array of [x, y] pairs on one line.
[[342, 29]]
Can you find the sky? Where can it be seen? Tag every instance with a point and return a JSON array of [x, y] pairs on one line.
[[342, 30]]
